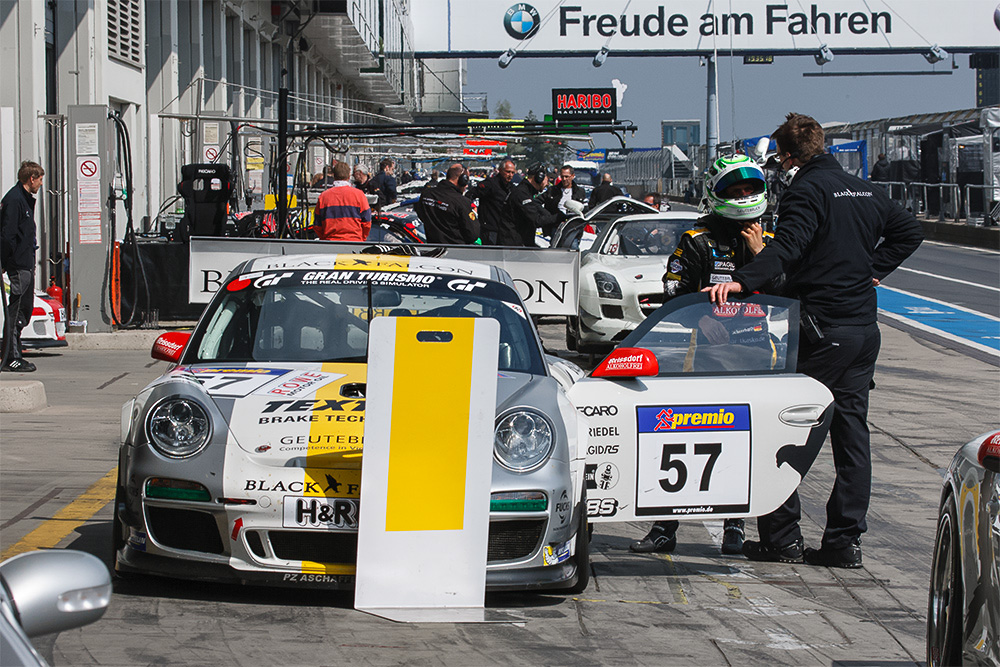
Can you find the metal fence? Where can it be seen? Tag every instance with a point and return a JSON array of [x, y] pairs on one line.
[[944, 200]]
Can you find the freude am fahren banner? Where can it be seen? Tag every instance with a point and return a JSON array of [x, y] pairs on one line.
[[488, 27]]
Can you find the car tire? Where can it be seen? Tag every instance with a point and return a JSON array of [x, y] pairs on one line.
[[582, 556], [944, 605]]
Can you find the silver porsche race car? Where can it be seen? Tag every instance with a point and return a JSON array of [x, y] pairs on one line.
[[243, 461]]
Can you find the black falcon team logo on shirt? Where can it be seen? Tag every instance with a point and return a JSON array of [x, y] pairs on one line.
[[521, 21]]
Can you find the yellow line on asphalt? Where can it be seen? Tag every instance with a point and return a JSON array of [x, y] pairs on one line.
[[732, 590], [69, 518], [675, 585]]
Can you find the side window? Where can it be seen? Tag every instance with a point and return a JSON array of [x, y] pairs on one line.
[[691, 336]]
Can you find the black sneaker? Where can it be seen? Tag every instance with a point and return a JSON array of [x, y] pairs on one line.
[[849, 556], [732, 537], [768, 553], [19, 366], [656, 541]]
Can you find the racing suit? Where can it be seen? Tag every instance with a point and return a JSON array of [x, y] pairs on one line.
[[523, 214], [448, 216], [492, 193], [706, 255]]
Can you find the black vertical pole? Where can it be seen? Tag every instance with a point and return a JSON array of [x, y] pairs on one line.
[[282, 160]]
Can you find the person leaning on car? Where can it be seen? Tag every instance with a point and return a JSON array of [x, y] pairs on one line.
[[524, 212], [564, 190], [827, 244], [725, 239], [492, 194], [17, 259], [447, 214]]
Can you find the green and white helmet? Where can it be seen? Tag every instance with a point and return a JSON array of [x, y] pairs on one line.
[[726, 172]]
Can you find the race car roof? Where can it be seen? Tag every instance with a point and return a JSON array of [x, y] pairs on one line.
[[358, 262]]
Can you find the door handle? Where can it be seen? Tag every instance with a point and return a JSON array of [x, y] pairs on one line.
[[802, 415]]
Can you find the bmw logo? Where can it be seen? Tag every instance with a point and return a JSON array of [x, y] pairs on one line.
[[521, 21]]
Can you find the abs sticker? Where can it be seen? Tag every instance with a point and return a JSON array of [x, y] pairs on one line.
[[692, 459]]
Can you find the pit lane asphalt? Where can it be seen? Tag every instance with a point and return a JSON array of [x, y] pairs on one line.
[[690, 607]]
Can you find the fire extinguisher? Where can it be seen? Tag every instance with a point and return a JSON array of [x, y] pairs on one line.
[[54, 290]]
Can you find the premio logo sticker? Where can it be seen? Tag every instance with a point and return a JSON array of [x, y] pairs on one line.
[[521, 21]]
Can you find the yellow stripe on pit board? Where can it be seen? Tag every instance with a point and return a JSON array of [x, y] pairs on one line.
[[429, 430]]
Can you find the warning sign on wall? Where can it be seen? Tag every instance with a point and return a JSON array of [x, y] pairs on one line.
[[88, 198]]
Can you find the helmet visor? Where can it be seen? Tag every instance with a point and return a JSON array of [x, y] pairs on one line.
[[748, 174]]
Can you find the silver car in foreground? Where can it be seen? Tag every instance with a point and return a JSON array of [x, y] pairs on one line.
[[963, 615], [243, 462], [43, 592]]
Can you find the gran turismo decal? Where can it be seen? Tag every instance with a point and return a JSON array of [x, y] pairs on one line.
[[463, 285]]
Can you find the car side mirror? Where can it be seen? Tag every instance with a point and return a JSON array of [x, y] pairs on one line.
[[628, 362], [57, 590], [989, 453], [170, 346]]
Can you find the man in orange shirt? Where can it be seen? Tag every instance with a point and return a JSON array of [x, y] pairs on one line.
[[342, 212]]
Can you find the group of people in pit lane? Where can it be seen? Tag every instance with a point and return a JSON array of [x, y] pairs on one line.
[[836, 238]]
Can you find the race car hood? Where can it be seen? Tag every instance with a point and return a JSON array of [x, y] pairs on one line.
[[635, 269], [307, 415]]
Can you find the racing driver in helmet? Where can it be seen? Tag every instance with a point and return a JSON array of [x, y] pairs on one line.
[[728, 236]]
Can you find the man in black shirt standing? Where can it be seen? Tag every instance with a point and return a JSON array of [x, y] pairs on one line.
[[492, 194], [447, 214], [603, 192], [524, 212], [827, 244], [384, 184], [17, 259], [560, 193]]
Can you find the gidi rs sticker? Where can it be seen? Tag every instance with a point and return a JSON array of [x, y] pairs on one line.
[[692, 459]]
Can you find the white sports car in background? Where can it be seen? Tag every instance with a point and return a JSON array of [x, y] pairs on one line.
[[621, 277], [579, 232]]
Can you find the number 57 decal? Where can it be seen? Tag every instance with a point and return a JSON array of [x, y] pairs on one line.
[[667, 464], [693, 459]]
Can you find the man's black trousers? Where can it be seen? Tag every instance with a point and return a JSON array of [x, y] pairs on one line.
[[844, 361]]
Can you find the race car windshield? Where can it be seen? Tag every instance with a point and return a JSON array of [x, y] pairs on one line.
[[691, 336], [646, 237], [322, 316]]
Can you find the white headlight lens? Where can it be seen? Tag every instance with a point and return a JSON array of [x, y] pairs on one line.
[[179, 427], [522, 440]]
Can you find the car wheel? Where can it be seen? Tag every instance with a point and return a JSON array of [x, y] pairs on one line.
[[944, 606], [571, 333], [582, 557]]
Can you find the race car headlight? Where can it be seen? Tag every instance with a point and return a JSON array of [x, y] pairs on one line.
[[607, 285], [522, 440], [178, 427]]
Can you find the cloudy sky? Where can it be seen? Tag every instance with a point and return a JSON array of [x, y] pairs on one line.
[[753, 99]]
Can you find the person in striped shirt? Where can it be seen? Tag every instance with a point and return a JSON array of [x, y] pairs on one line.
[[342, 212]]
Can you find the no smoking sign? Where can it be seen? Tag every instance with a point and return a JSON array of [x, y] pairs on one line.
[[88, 169]]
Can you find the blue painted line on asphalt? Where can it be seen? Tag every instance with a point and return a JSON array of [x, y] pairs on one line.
[[931, 313]]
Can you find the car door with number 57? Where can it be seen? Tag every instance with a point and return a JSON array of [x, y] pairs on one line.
[[699, 414]]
